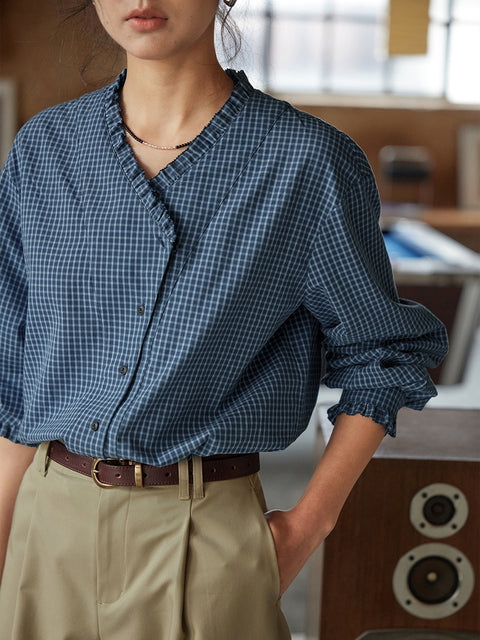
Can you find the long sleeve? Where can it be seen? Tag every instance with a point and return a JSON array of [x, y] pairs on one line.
[[13, 304], [378, 346]]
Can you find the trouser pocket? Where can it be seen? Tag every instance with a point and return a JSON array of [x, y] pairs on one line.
[[232, 582], [257, 488]]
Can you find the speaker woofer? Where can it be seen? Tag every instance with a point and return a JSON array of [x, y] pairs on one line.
[[433, 581]]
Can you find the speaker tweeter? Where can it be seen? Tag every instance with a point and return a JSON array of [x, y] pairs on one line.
[[438, 510]]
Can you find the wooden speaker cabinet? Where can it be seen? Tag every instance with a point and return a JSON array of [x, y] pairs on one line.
[[405, 553]]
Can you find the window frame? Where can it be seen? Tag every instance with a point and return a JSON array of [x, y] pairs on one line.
[[386, 97]]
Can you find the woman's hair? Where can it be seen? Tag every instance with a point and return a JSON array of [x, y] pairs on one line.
[[228, 30], [80, 17]]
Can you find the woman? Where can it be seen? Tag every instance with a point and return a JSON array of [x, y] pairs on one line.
[[177, 247]]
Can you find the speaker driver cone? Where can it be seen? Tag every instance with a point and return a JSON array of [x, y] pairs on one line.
[[438, 510], [433, 581]]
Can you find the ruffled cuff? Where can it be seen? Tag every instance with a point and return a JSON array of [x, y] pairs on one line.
[[381, 405]]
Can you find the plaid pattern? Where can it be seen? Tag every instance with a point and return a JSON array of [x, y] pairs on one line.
[[154, 319]]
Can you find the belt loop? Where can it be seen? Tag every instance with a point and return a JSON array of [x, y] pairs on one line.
[[42, 457], [183, 483], [197, 477]]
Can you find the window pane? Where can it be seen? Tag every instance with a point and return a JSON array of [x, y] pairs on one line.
[[466, 10], [421, 75], [373, 8], [464, 51], [251, 6], [439, 10], [339, 45], [356, 57], [299, 7], [296, 54]]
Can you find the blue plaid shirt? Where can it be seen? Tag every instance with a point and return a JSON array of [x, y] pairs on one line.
[[154, 319]]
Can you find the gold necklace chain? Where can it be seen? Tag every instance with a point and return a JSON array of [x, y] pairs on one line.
[[154, 146]]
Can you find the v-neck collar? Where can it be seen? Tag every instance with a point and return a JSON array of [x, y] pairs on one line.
[[241, 92]]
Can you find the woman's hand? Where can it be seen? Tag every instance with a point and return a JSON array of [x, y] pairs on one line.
[[293, 544], [299, 531]]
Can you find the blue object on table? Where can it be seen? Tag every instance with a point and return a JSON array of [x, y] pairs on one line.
[[398, 247]]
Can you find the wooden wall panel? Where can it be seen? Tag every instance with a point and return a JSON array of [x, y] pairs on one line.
[[435, 130], [44, 56]]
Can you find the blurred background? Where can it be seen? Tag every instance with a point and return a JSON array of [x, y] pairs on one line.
[[401, 78]]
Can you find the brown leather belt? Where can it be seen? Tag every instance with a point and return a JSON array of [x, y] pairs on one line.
[[125, 473]]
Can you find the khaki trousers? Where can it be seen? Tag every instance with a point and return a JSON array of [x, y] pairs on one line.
[[88, 563]]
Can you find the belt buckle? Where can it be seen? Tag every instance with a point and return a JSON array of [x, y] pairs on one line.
[[105, 485], [94, 474]]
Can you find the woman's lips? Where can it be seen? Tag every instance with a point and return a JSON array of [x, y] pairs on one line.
[[146, 24], [146, 20]]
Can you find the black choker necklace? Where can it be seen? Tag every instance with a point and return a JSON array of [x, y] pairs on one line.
[[154, 146]]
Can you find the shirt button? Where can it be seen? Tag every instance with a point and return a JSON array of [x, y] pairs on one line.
[[141, 310], [123, 369], [94, 426]]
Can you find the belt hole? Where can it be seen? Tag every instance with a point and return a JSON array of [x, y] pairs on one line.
[[118, 475], [214, 470], [234, 466], [167, 474], [84, 464], [67, 457]]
